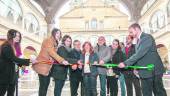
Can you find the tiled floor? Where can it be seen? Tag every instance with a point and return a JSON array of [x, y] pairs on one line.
[[28, 86]]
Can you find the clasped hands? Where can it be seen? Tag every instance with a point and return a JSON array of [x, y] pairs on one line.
[[78, 65]]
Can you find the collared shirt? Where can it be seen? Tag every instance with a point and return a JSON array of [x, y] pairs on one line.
[[139, 35], [86, 63], [138, 38], [87, 55]]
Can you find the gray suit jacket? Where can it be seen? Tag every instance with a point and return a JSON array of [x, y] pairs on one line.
[[104, 53], [146, 53]]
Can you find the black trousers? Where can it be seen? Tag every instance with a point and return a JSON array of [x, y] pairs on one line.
[[153, 84], [74, 84], [113, 85], [10, 89], [44, 82], [131, 80]]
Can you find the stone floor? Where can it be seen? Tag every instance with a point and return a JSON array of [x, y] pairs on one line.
[[28, 85]]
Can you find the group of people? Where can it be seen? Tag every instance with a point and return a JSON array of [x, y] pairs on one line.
[[85, 65]]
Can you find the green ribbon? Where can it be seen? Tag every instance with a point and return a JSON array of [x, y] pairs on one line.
[[148, 67]]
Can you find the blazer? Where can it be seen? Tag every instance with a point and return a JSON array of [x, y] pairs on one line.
[[103, 53], [7, 64], [48, 51], [93, 57], [146, 53]]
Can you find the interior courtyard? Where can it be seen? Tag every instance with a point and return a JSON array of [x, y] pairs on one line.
[[84, 20]]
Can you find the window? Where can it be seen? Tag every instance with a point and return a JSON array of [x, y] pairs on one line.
[[10, 15], [94, 23], [157, 21], [93, 40], [10, 9], [31, 23], [109, 39], [101, 25], [154, 23], [31, 28], [19, 20], [161, 19], [86, 25]]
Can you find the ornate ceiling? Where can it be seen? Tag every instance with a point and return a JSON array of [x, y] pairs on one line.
[[51, 7]]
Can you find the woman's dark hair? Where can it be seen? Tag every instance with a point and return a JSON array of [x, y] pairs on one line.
[[64, 39], [54, 31], [20, 37], [116, 40], [121, 44], [91, 48], [12, 34]]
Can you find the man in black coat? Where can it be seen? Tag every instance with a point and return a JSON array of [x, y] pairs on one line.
[[146, 53], [75, 71]]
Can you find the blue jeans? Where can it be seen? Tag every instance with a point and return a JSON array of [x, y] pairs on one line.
[[122, 84], [90, 85], [58, 87], [102, 84]]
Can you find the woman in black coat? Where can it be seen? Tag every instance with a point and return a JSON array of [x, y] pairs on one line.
[[59, 71], [8, 60], [113, 73]]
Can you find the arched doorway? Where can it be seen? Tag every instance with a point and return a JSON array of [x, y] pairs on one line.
[[163, 52]]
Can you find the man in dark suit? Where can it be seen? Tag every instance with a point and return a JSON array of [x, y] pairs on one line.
[[146, 53], [75, 70]]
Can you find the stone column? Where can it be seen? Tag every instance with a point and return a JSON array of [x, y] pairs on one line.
[[50, 25]]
